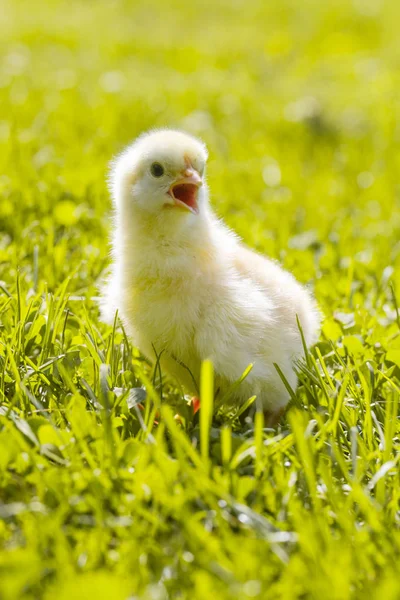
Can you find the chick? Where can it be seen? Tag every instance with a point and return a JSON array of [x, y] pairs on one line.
[[188, 289]]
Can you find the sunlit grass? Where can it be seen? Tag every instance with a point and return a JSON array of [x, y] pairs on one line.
[[103, 498]]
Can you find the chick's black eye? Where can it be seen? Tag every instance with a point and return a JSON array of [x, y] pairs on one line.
[[157, 170]]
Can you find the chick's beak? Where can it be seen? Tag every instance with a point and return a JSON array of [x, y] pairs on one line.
[[184, 190]]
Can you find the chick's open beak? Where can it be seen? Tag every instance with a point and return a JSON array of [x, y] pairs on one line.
[[184, 190]]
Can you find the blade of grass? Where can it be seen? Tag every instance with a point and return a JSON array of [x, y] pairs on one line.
[[206, 407]]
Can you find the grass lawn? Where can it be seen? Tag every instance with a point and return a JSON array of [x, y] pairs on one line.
[[299, 105]]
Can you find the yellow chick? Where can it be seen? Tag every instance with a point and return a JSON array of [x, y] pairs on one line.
[[188, 289]]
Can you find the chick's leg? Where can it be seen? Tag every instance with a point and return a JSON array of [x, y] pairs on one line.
[[195, 404]]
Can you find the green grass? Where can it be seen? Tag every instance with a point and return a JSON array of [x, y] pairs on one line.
[[299, 104]]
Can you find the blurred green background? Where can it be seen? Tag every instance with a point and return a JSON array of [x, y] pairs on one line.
[[297, 101], [299, 105]]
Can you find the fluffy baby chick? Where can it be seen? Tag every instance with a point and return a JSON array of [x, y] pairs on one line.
[[188, 289]]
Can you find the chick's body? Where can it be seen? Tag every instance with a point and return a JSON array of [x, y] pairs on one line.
[[188, 289]]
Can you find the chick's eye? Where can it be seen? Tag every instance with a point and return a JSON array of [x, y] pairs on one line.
[[157, 170]]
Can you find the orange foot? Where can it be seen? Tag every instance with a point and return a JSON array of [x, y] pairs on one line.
[[195, 404]]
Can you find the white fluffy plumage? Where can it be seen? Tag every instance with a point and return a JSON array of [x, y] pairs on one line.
[[187, 287]]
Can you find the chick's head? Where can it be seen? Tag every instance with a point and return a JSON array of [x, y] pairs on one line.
[[161, 171]]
